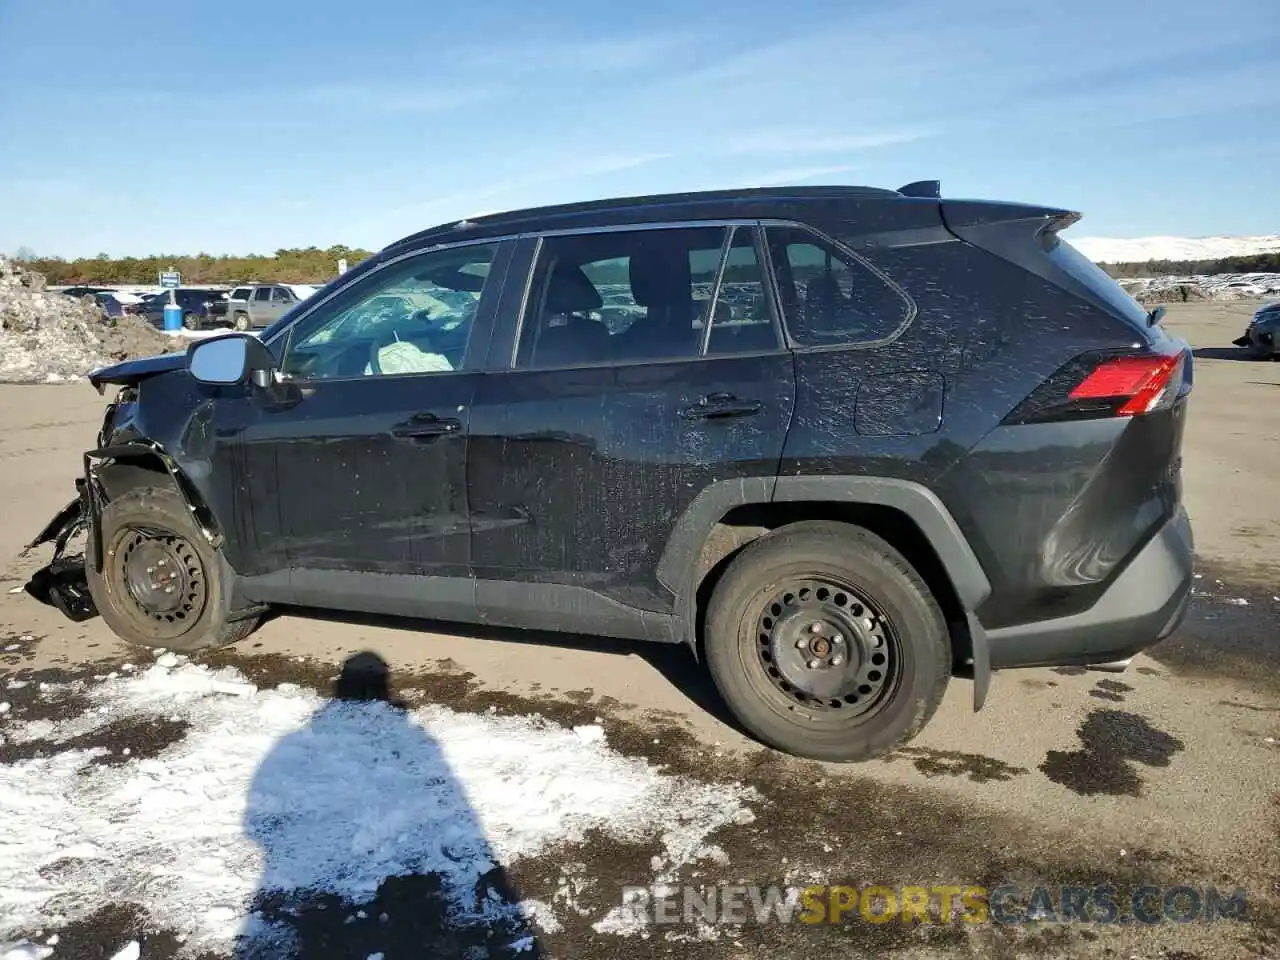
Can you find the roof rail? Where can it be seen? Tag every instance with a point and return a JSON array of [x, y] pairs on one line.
[[922, 188]]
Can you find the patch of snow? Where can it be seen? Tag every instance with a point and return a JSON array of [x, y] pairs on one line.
[[130, 951], [48, 337], [1220, 286], [1142, 249], [283, 790], [590, 733], [25, 950], [1238, 602], [541, 914]]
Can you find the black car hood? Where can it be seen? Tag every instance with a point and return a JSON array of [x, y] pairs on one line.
[[130, 372]]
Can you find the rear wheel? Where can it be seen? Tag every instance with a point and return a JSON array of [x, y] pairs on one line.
[[826, 643], [161, 584], [241, 322], [191, 320]]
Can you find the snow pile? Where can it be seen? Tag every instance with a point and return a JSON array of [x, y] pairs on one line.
[[1224, 286], [1142, 249], [282, 790], [47, 337]]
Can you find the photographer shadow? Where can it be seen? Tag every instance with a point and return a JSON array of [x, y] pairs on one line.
[[369, 843]]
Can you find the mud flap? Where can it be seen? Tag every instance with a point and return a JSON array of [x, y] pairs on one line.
[[1244, 341], [981, 661]]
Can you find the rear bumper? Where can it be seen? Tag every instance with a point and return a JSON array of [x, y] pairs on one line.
[[1144, 605]]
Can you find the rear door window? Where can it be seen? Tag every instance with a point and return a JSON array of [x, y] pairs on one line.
[[646, 295]]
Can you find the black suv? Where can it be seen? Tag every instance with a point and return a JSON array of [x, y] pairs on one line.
[[194, 302], [844, 443]]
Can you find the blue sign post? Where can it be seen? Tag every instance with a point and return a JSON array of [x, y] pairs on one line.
[[171, 280]]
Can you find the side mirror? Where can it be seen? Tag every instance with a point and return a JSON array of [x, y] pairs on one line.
[[228, 360]]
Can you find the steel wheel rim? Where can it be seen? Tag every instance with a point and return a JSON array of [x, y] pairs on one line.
[[163, 587], [825, 647]]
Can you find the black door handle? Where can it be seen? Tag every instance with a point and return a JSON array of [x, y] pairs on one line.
[[721, 406], [423, 426]]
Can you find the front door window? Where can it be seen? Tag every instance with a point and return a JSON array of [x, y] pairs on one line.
[[411, 317]]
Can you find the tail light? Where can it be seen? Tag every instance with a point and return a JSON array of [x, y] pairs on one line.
[[1096, 385]]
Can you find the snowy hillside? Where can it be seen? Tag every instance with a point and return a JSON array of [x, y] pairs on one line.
[[1139, 249], [1222, 286]]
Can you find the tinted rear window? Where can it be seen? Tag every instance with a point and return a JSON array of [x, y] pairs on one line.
[[1070, 260]]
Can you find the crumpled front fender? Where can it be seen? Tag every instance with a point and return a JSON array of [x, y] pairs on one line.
[[62, 582]]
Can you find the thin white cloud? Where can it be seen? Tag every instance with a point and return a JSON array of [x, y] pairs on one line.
[[592, 54], [548, 177], [807, 141], [394, 98], [796, 175]]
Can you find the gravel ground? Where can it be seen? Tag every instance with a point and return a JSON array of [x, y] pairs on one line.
[[1166, 775]]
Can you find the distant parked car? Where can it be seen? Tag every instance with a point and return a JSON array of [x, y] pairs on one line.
[[85, 291], [111, 303], [260, 305], [1263, 331], [193, 301]]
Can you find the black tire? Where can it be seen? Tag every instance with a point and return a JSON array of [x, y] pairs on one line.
[[191, 321], [754, 641], [242, 322], [152, 523]]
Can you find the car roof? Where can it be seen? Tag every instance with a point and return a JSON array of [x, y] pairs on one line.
[[705, 204]]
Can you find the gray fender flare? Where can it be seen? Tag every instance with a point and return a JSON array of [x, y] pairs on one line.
[[677, 566]]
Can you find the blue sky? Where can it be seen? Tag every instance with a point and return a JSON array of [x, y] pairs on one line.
[[138, 127]]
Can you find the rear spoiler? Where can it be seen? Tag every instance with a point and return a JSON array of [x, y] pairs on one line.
[[922, 188], [970, 216]]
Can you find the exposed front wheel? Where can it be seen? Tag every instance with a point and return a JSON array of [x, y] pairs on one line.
[[161, 584], [191, 320], [826, 643], [241, 322]]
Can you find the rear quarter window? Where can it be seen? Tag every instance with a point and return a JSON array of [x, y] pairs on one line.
[[828, 296]]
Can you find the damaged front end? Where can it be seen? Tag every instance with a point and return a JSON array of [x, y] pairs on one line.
[[63, 582]]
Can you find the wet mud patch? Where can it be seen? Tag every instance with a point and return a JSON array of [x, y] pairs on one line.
[[1069, 671], [18, 648], [1112, 741], [1112, 690], [123, 740], [1230, 628], [49, 694], [1032, 684], [102, 934], [954, 763], [408, 916], [1149, 672], [1252, 707]]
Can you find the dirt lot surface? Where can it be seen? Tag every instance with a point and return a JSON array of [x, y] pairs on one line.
[[1165, 775]]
